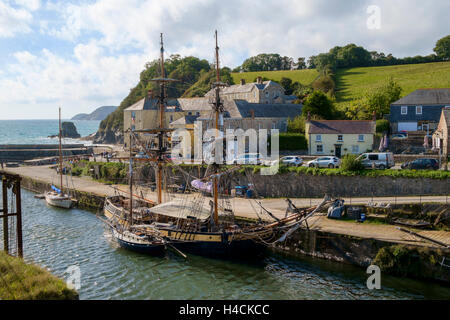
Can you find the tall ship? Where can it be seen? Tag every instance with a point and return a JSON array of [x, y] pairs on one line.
[[197, 223]]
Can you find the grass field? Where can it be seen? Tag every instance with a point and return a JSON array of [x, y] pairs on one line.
[[22, 281], [305, 77], [354, 82]]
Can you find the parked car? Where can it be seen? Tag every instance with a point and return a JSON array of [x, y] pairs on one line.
[[380, 160], [399, 136], [430, 164], [249, 158], [325, 162], [292, 161]]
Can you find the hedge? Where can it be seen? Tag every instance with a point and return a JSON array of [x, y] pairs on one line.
[[293, 141]]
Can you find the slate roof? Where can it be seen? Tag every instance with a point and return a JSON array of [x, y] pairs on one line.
[[243, 109], [181, 104], [426, 97], [238, 88], [189, 119], [341, 126]]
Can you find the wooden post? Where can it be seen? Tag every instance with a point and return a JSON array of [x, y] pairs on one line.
[[19, 219], [5, 215]]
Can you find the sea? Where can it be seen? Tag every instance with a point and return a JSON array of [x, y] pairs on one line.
[[38, 131]]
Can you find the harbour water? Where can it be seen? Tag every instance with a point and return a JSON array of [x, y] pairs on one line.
[[37, 131], [57, 239]]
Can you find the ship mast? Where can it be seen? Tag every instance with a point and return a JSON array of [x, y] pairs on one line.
[[218, 108], [60, 153], [161, 124], [161, 130]]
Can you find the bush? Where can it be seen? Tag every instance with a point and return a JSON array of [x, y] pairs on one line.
[[351, 163], [382, 126], [293, 141]]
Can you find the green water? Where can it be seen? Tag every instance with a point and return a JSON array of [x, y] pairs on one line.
[[57, 239]]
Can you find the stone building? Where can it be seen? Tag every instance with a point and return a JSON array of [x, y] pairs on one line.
[[267, 92], [441, 141]]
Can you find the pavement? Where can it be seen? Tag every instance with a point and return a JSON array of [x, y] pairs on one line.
[[249, 208]]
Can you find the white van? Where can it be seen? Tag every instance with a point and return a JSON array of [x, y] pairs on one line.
[[378, 160]]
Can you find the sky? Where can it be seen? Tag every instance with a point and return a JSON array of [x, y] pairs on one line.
[[80, 55]]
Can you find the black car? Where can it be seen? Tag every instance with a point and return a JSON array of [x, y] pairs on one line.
[[430, 164]]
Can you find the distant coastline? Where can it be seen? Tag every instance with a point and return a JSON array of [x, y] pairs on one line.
[[98, 114]]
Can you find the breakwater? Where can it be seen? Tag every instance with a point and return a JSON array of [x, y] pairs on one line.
[[22, 152]]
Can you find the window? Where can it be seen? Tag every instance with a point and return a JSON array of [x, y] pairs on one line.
[[197, 113], [189, 113], [318, 137], [373, 157], [267, 94], [273, 125], [319, 148], [171, 118], [360, 137], [340, 138], [355, 149], [418, 109], [404, 110]]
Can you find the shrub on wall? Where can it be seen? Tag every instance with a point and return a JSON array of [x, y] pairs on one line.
[[382, 125], [351, 163], [293, 141]]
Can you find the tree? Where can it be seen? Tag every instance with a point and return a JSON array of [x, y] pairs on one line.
[[381, 98], [442, 48], [286, 83], [318, 104], [301, 63], [267, 62]]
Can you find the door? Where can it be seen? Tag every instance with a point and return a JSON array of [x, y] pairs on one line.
[[407, 126], [337, 150]]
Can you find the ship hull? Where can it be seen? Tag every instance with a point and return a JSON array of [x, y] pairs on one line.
[[58, 201], [238, 248], [133, 244]]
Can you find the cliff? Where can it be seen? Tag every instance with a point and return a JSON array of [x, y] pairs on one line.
[[98, 114]]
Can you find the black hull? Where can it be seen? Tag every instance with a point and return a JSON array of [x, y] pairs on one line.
[[156, 250], [235, 249]]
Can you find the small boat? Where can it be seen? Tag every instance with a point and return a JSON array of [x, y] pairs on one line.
[[57, 197]]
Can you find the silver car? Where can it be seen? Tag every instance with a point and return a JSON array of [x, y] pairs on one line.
[[325, 162]]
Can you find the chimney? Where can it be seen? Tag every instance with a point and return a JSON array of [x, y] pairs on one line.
[[259, 80], [374, 116], [150, 94], [308, 117], [242, 82]]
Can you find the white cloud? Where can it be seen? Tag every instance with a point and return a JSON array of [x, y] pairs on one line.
[[29, 4], [13, 21], [112, 39]]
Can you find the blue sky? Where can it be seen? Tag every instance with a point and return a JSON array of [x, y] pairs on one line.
[[84, 54]]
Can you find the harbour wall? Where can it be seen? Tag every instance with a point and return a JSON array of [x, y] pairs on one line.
[[300, 185], [401, 260], [27, 152]]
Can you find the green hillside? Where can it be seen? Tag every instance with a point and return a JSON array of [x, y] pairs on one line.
[[353, 83], [305, 76]]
